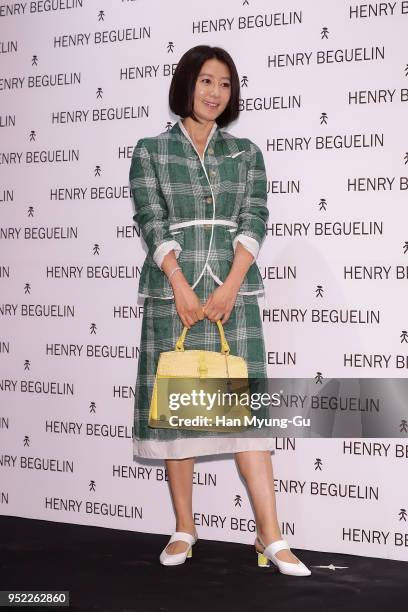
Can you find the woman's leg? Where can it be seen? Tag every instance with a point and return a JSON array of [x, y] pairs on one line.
[[256, 469], [180, 473]]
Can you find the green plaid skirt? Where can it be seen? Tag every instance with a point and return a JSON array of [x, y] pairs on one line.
[[161, 328]]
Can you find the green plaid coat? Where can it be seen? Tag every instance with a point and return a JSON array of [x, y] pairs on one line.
[[172, 187], [175, 193]]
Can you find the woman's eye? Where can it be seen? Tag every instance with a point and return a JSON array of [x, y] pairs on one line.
[[208, 81]]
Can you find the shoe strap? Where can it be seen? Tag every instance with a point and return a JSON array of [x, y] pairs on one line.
[[275, 547], [182, 535]]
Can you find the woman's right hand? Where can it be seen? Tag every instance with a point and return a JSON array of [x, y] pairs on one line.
[[188, 305]]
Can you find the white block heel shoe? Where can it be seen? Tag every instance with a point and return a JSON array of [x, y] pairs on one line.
[[178, 558], [269, 554]]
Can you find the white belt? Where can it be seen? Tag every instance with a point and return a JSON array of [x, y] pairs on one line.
[[203, 222]]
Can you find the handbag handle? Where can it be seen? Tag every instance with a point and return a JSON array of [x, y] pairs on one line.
[[225, 349]]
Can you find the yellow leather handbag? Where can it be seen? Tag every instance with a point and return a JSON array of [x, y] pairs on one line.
[[189, 387]]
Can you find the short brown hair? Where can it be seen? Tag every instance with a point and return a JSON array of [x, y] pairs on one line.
[[181, 93]]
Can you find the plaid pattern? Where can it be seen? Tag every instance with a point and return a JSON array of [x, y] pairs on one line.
[[169, 185], [161, 328]]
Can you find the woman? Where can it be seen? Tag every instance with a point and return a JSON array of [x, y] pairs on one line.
[[201, 204]]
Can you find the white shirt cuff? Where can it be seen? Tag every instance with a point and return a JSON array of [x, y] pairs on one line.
[[164, 248], [249, 243]]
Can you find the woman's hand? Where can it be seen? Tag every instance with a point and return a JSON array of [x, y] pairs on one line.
[[221, 302], [188, 305]]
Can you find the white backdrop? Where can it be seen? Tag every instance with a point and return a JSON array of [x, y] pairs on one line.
[[324, 94]]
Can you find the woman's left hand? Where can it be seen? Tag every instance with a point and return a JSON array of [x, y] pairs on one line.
[[220, 302]]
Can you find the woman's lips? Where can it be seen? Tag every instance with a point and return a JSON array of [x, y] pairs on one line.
[[210, 104]]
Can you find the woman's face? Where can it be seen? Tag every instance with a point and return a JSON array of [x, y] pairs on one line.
[[212, 90]]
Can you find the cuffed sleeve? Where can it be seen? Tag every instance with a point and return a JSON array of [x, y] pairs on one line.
[[151, 210], [254, 212], [249, 243], [164, 248]]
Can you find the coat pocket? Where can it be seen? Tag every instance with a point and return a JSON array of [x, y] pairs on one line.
[[229, 234], [232, 169]]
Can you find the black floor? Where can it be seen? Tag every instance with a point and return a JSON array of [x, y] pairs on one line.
[[106, 569]]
